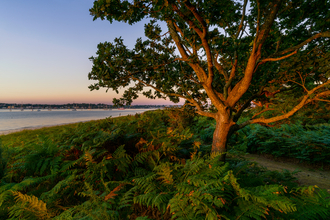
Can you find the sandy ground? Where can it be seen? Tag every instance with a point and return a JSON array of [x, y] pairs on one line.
[[308, 175]]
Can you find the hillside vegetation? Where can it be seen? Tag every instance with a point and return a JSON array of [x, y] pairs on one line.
[[156, 165]]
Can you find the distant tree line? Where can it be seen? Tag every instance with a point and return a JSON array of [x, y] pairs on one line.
[[73, 105]]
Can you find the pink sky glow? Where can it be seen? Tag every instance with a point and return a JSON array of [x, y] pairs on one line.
[[45, 46]]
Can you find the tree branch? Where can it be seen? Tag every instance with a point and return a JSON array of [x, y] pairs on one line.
[[242, 20], [196, 67], [247, 104], [197, 16], [322, 100], [277, 59], [269, 20], [265, 110], [205, 43], [242, 86], [322, 94], [190, 22], [191, 100], [181, 32], [232, 74], [220, 67], [322, 34], [298, 84], [157, 89], [205, 79], [306, 99], [207, 114], [177, 39], [246, 23], [273, 59], [258, 26]]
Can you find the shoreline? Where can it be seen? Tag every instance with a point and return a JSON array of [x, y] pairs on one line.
[[15, 130], [5, 132], [11, 131]]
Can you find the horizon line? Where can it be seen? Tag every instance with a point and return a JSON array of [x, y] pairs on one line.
[[81, 104]]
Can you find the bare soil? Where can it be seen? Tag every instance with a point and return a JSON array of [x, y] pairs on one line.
[[308, 175]]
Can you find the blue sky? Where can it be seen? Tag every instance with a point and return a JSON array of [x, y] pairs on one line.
[[44, 51]]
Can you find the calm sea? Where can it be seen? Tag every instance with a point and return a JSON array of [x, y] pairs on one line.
[[27, 119]]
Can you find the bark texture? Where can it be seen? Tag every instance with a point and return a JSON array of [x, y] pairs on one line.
[[221, 135]]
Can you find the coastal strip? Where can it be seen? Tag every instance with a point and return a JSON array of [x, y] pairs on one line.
[[5, 132], [14, 130]]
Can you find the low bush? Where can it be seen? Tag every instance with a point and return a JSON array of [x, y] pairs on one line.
[[308, 143]]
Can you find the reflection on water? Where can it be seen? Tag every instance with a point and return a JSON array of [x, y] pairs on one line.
[[17, 119]]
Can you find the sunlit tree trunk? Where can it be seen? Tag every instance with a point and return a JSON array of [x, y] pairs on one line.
[[222, 132]]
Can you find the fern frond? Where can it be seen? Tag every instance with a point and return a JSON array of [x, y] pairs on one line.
[[313, 211], [143, 218], [193, 166], [139, 171], [29, 204], [180, 208], [66, 215], [127, 198], [70, 164], [45, 165], [248, 210], [55, 164], [4, 196], [146, 183], [164, 173], [112, 193], [161, 201], [60, 185], [33, 201], [89, 157], [26, 183], [141, 158], [121, 159]]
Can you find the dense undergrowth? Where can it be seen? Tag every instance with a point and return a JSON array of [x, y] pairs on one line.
[[155, 165], [309, 143]]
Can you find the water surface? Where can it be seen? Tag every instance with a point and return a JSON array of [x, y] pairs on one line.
[[27, 119]]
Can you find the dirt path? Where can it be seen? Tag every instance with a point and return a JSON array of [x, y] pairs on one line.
[[307, 176]]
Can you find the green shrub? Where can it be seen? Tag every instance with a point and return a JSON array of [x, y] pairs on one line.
[[143, 167], [310, 143]]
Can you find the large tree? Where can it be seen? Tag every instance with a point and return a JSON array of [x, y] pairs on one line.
[[228, 52]]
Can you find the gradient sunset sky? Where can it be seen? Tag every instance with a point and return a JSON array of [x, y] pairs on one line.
[[44, 51]]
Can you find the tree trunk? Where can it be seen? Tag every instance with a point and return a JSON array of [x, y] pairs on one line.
[[221, 135]]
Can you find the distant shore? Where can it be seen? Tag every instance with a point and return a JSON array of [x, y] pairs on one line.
[[54, 123], [5, 132]]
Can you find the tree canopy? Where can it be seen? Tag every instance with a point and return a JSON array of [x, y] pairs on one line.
[[229, 52]]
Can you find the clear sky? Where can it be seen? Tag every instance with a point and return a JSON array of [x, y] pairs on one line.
[[44, 51]]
